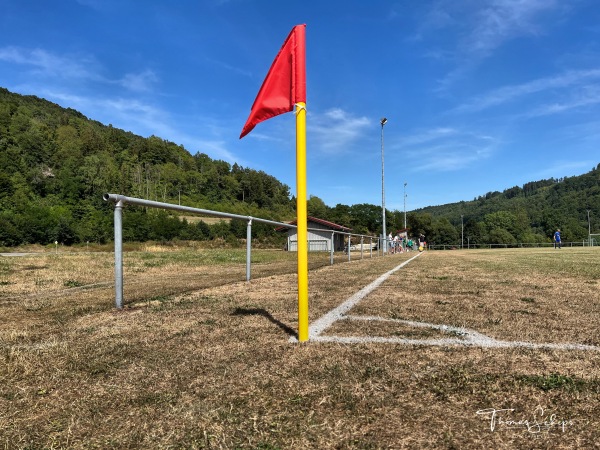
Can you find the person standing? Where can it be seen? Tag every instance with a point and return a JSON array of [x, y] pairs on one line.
[[557, 240]]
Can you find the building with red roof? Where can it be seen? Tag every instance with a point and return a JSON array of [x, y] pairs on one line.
[[322, 234]]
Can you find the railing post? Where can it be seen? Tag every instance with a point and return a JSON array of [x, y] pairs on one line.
[[331, 248], [349, 244], [371, 247], [361, 247], [119, 254], [248, 247]]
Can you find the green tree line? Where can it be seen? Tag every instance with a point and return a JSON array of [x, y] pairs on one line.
[[527, 214], [55, 164]]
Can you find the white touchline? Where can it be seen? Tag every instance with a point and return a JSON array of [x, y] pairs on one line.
[[451, 341], [336, 314], [462, 336]]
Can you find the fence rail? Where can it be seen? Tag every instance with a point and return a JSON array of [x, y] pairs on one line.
[[120, 201], [583, 243]]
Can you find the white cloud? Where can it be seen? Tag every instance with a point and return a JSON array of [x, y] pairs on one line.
[[477, 28], [587, 96], [127, 113], [139, 81], [511, 93], [446, 149], [48, 64], [481, 26], [336, 131], [74, 67], [502, 20]]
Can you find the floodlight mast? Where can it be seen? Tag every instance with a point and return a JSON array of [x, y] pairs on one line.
[[383, 121], [405, 183]]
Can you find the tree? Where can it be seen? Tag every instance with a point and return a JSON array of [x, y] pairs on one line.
[[420, 223], [366, 218], [316, 207], [443, 232], [501, 236]]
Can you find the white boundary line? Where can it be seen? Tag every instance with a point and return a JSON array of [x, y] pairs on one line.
[[464, 336], [336, 314]]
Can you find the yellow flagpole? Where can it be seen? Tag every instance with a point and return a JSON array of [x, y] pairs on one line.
[[302, 222]]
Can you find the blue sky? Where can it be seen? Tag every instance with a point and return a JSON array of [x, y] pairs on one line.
[[480, 95]]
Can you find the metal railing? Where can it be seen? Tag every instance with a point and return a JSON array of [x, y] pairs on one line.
[[434, 246], [120, 201]]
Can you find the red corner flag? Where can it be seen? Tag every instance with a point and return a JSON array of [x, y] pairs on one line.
[[285, 84]]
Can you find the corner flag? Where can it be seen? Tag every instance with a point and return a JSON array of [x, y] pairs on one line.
[[285, 83], [283, 88]]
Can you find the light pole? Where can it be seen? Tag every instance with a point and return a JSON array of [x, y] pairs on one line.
[[383, 122], [462, 232], [405, 205]]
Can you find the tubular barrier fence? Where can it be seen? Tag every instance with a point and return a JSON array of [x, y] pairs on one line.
[[120, 201]]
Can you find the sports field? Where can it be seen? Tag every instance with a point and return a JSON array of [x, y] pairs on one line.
[[455, 349]]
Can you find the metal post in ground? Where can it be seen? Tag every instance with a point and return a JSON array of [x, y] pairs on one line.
[[119, 254], [349, 243], [383, 121], [248, 247], [331, 248]]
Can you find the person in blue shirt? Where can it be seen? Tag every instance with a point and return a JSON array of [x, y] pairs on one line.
[[557, 238]]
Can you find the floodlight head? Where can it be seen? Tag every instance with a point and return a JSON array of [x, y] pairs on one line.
[[383, 121]]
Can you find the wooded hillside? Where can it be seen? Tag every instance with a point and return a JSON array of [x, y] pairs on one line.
[[527, 214], [55, 164]]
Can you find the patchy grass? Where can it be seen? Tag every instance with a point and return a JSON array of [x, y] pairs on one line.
[[198, 358]]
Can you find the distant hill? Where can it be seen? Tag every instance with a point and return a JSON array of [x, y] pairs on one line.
[[55, 164], [530, 213]]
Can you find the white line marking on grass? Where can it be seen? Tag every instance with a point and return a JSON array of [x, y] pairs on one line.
[[463, 336], [336, 314], [491, 343]]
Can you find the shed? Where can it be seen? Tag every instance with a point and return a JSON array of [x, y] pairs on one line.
[[320, 236]]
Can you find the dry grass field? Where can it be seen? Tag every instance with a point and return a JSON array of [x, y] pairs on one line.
[[199, 358]]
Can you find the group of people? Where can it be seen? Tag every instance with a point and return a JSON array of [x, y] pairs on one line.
[[401, 243]]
